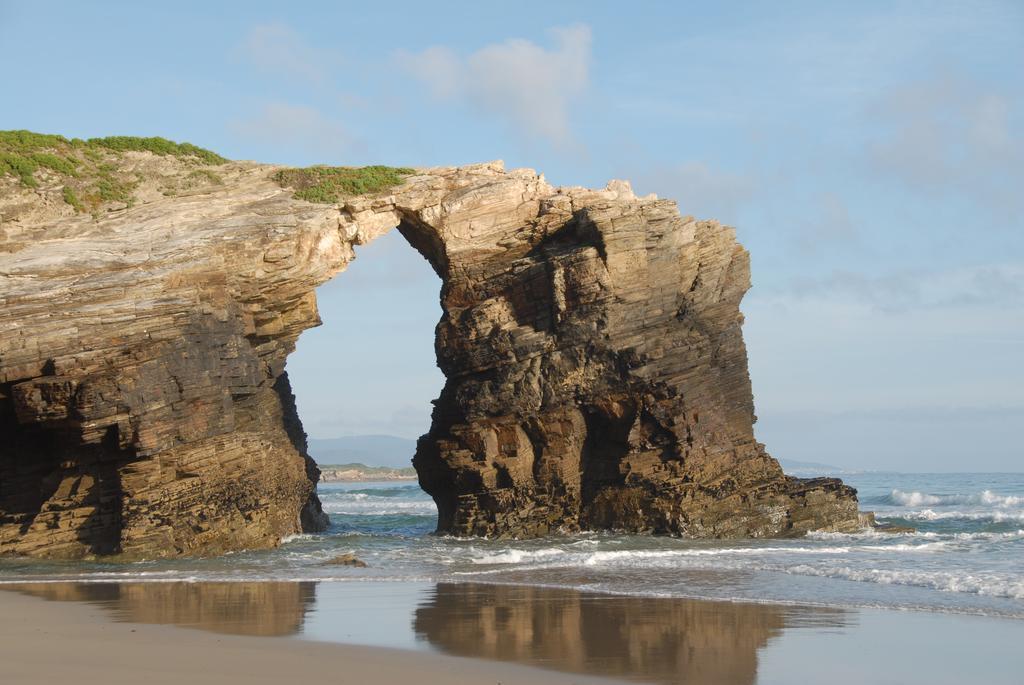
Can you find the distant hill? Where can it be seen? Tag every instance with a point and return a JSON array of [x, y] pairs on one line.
[[372, 450], [333, 473]]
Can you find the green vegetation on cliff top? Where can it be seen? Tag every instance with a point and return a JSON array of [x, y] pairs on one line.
[[329, 184], [88, 166], [93, 176]]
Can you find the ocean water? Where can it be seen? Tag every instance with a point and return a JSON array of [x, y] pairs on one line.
[[966, 556]]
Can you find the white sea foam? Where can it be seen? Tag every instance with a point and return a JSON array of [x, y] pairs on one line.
[[369, 505], [519, 556], [991, 584], [984, 498], [932, 515], [564, 557], [559, 556], [905, 547], [863, 534], [875, 535], [914, 499], [1009, 535]]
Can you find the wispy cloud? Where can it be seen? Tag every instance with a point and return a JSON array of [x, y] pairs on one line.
[[307, 128], [280, 50], [530, 86], [951, 134]]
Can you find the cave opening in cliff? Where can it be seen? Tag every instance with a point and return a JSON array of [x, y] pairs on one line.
[[365, 378]]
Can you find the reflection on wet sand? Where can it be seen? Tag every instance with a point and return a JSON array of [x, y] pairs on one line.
[[657, 640], [243, 608], [654, 639]]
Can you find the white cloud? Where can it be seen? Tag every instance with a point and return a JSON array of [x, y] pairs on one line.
[[531, 86], [307, 128], [278, 49], [950, 135], [438, 68]]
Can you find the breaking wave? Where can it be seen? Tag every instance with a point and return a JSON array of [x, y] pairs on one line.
[[872, 534], [992, 516], [989, 584], [356, 503], [984, 498], [561, 557]]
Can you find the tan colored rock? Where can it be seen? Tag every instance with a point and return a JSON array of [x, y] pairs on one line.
[[347, 559], [591, 340]]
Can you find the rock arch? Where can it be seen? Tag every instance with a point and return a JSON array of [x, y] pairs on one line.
[[596, 372]]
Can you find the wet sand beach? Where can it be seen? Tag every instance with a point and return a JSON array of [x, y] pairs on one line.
[[46, 642], [255, 632]]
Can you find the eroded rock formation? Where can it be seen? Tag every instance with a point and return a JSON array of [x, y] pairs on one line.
[[596, 373]]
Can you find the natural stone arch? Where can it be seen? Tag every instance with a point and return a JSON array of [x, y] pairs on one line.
[[596, 373]]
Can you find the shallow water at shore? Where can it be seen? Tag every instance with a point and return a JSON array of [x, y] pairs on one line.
[[966, 556], [644, 639]]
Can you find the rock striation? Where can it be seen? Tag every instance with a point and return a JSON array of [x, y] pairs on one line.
[[596, 372]]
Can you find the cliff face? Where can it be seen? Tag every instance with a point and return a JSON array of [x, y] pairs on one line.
[[596, 374], [591, 341]]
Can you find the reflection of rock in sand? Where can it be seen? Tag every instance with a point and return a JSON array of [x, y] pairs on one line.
[[656, 639], [265, 608]]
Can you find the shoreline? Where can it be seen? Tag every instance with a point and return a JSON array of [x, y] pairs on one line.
[[45, 642], [966, 612], [426, 632]]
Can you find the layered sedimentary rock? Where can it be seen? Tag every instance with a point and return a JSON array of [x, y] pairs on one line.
[[596, 373]]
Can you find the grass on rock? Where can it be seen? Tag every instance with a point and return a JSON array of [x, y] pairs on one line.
[[329, 184], [158, 146], [89, 167], [72, 199]]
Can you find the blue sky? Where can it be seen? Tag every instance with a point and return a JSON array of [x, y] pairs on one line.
[[870, 155]]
